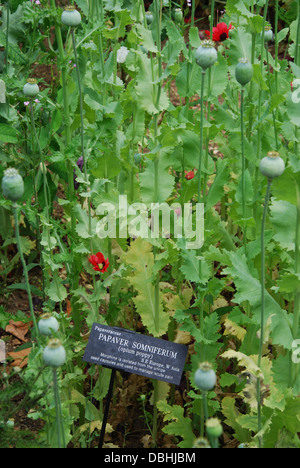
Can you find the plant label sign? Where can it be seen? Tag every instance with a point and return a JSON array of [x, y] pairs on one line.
[[131, 352]]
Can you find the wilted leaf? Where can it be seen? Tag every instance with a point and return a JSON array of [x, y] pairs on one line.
[[18, 329], [20, 357]]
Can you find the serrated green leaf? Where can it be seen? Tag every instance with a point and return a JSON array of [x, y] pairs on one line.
[[141, 259], [165, 184], [57, 292], [8, 134], [178, 424]]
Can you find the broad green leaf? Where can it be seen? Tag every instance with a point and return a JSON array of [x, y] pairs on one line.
[[258, 78], [216, 190], [82, 227], [34, 290], [56, 291], [6, 229], [249, 290], [283, 217], [2, 92], [8, 134], [141, 259], [147, 38], [231, 414], [194, 268], [178, 424], [16, 26], [165, 184], [249, 362], [194, 37]]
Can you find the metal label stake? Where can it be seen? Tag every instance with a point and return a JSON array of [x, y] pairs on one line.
[[107, 405]]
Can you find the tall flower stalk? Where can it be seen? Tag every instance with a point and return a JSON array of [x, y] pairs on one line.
[[66, 108], [271, 167], [243, 74], [25, 273]]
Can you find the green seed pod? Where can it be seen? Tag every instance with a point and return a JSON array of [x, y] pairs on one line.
[[178, 15], [214, 427], [272, 165], [244, 71], [12, 185], [206, 55], [54, 354], [205, 377], [31, 88], [149, 17], [48, 324], [71, 17], [201, 443], [268, 36]]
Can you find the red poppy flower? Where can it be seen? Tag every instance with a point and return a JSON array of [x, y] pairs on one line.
[[99, 263], [220, 32], [189, 175]]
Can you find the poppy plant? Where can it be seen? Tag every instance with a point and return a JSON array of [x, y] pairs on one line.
[[220, 32], [99, 262]]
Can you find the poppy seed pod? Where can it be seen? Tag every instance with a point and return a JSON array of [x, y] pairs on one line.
[[244, 71], [12, 185], [206, 55], [178, 15], [214, 427], [71, 17], [31, 88], [272, 165], [268, 36], [205, 377], [48, 324], [54, 354], [149, 17]]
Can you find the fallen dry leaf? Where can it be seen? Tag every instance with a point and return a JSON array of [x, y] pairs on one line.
[[18, 329], [20, 357]]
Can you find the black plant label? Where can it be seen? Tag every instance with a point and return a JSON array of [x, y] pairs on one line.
[[132, 352]]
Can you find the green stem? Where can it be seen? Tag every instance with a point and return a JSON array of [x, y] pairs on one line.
[[7, 31], [243, 169], [45, 184], [201, 135], [262, 317], [297, 34], [17, 232], [276, 44], [67, 119], [296, 316], [58, 411], [158, 15], [80, 103], [270, 90]]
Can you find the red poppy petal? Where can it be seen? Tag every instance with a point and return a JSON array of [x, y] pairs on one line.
[[222, 27], [100, 257], [93, 260]]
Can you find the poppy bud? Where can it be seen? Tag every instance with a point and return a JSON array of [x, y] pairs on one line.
[[244, 71]]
